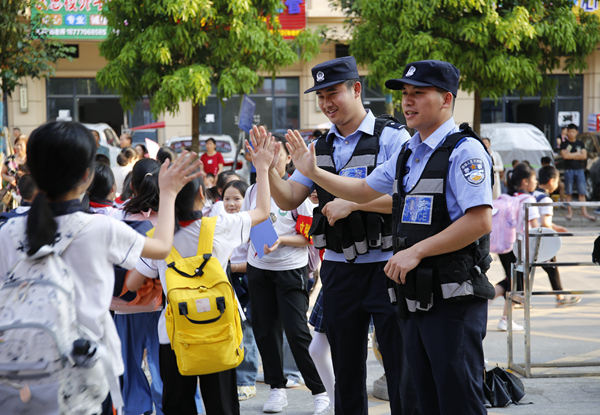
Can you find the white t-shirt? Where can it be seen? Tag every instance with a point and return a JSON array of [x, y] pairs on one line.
[[534, 213], [544, 210], [231, 231], [120, 172], [101, 244], [284, 257]]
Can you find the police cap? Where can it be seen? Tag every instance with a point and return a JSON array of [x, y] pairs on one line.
[[440, 74], [333, 72]]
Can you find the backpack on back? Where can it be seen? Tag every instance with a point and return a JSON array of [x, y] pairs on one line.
[[38, 328], [505, 222], [203, 322]]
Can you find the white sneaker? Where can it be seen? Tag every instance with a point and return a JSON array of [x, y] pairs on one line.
[[503, 326], [277, 401], [322, 404]]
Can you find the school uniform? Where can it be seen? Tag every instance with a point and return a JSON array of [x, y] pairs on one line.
[[101, 244], [219, 390]]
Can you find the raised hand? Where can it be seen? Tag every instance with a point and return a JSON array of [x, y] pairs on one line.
[[305, 159], [173, 176], [263, 146], [258, 136]]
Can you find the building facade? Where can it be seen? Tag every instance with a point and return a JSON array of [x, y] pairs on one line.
[[281, 103]]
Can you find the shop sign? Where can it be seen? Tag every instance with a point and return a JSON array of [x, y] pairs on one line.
[[74, 19], [590, 6]]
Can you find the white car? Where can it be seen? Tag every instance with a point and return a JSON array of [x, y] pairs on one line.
[[108, 139], [225, 145]]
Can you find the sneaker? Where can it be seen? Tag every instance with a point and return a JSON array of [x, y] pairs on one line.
[[246, 392], [567, 301], [322, 404], [291, 383], [329, 410], [277, 401], [503, 326]]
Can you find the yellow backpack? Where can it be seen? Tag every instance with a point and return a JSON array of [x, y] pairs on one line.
[[203, 322]]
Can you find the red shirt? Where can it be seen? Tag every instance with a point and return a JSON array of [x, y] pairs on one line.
[[211, 163]]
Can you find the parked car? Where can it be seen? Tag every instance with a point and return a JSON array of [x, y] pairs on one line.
[[517, 142], [108, 139], [225, 145]]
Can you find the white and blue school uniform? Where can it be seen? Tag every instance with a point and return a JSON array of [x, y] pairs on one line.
[[355, 292], [444, 344]]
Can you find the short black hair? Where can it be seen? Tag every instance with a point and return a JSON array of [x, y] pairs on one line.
[[573, 127], [546, 173], [101, 158], [546, 161], [211, 139], [27, 187], [350, 82]]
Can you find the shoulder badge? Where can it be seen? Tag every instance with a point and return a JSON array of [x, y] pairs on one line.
[[473, 171]]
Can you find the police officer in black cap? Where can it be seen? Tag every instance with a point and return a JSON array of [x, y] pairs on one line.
[[441, 181], [357, 237]]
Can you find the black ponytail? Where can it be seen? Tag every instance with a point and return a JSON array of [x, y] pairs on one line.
[[58, 154], [144, 181]]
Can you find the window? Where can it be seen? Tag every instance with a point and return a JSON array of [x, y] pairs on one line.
[[277, 106]]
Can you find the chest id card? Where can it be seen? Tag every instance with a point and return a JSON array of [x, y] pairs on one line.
[[417, 209], [354, 172]]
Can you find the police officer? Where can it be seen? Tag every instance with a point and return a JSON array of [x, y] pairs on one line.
[[442, 189], [354, 284]]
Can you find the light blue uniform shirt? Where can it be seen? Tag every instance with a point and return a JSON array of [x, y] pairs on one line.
[[469, 170], [390, 142]]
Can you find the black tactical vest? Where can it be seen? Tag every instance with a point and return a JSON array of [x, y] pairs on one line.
[[422, 213], [360, 231]]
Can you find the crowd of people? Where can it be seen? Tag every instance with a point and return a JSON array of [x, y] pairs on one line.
[[399, 222]]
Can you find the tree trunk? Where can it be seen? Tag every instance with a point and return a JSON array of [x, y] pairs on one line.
[[477, 113], [195, 127]]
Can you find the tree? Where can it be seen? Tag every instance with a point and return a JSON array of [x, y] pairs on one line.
[[175, 50], [25, 48], [497, 46]]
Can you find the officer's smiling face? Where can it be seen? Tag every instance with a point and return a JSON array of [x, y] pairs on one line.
[[339, 103], [425, 108]]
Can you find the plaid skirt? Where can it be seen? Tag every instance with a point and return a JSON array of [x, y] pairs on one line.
[[316, 317]]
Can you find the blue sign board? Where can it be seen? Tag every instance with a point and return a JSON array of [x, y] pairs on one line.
[[246, 117]]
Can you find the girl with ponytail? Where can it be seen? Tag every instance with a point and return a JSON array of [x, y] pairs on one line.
[[61, 159]]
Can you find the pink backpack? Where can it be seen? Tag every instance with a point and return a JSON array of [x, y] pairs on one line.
[[505, 221]]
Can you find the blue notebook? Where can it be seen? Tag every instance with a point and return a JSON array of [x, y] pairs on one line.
[[261, 234]]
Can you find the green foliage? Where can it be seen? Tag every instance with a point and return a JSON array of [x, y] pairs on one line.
[[498, 46], [25, 48], [176, 50]]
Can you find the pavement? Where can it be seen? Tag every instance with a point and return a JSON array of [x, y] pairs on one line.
[[558, 335]]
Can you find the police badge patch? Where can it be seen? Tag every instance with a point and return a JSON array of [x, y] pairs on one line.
[[473, 171]]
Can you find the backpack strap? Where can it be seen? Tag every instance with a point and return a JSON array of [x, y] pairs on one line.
[[207, 234]]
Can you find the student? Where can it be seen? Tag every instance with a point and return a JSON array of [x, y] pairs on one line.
[[548, 178], [440, 215], [523, 180], [219, 390], [102, 191], [354, 286], [125, 140], [279, 296], [125, 161], [246, 372], [103, 242], [212, 160]]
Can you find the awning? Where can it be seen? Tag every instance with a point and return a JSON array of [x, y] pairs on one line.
[[160, 124]]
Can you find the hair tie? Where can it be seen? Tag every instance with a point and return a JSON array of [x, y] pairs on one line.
[[148, 174]]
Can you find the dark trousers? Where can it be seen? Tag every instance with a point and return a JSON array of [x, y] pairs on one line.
[[352, 294], [279, 301], [445, 348], [219, 390], [553, 275]]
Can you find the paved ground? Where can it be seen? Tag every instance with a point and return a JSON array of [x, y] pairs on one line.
[[567, 334]]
